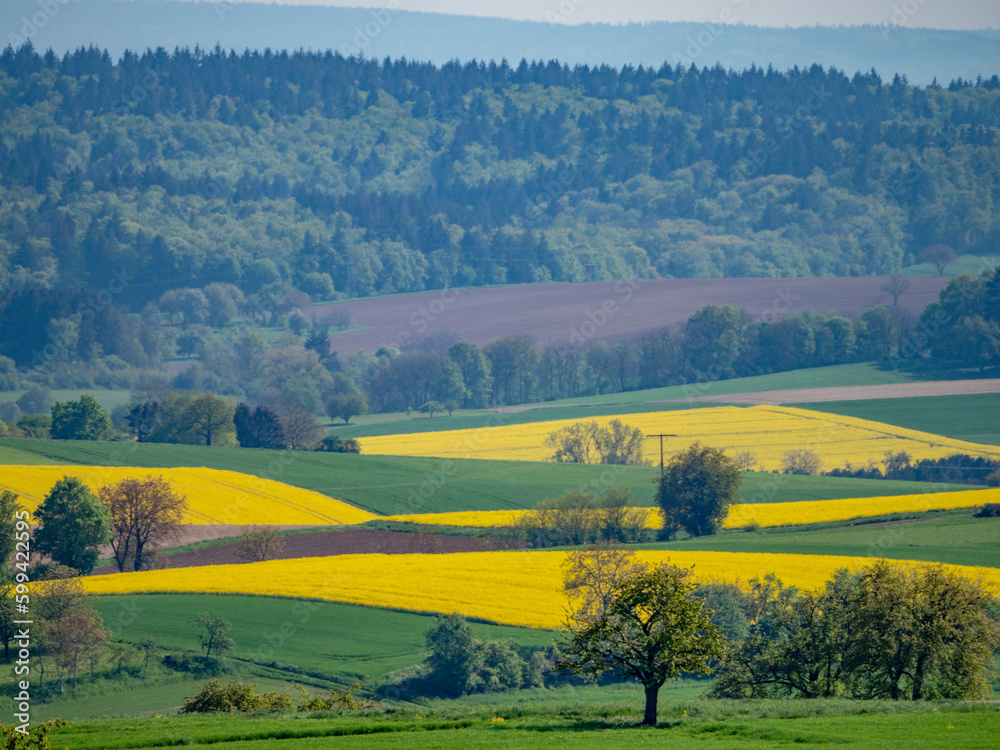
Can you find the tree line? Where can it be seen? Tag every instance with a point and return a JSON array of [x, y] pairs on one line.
[[299, 376], [308, 173], [882, 632]]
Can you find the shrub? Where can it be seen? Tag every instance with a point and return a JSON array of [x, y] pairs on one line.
[[237, 697], [335, 444], [990, 510]]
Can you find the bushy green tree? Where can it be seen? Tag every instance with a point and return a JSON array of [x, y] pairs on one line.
[[72, 525], [456, 657], [653, 629], [698, 486], [80, 420]]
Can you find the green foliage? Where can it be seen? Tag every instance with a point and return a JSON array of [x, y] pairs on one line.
[[195, 419], [334, 444], [80, 420], [35, 399], [35, 426], [698, 486], [885, 632], [33, 738], [346, 405], [215, 697], [460, 663], [579, 516], [653, 629], [72, 525], [218, 633], [988, 510], [343, 700]]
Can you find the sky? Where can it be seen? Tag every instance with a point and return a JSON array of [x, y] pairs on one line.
[[938, 14]]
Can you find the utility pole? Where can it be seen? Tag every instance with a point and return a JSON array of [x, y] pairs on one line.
[[661, 436]]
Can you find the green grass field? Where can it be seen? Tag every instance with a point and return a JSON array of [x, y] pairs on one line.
[[959, 539], [329, 640], [683, 724], [974, 417], [108, 399], [279, 642], [392, 485]]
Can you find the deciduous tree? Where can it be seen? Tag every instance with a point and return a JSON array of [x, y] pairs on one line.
[[652, 629], [698, 486], [73, 524], [144, 513], [259, 543], [80, 420]]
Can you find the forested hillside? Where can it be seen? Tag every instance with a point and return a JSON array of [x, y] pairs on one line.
[[347, 176]]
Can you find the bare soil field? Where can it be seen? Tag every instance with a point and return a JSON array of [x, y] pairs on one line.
[[859, 392], [347, 542], [584, 312]]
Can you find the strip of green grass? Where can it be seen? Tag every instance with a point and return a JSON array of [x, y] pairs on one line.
[[861, 373], [972, 417], [683, 724], [326, 639], [958, 540], [393, 485], [399, 424]]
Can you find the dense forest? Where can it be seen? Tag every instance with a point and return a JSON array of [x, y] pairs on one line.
[[245, 178]]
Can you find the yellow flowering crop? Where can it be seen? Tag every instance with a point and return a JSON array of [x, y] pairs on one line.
[[820, 511], [766, 431], [213, 496], [511, 587], [766, 514]]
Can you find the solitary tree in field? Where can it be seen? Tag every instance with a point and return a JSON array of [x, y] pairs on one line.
[[259, 543], [939, 256], [895, 286], [217, 637], [143, 513], [697, 488], [652, 629]]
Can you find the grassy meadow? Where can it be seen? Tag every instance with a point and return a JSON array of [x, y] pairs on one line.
[[974, 417], [686, 723]]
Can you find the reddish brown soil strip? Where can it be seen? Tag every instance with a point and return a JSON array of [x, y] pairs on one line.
[[859, 392], [585, 312], [346, 542], [817, 395]]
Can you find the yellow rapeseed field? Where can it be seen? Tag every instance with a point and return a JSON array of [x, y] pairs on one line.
[[512, 587], [213, 496], [766, 431], [820, 511], [766, 514]]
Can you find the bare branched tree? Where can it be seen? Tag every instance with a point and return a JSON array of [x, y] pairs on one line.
[[260, 543], [144, 514]]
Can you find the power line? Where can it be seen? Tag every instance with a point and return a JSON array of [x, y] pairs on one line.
[[661, 436]]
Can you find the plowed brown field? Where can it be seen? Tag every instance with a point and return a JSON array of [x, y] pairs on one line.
[[580, 313]]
